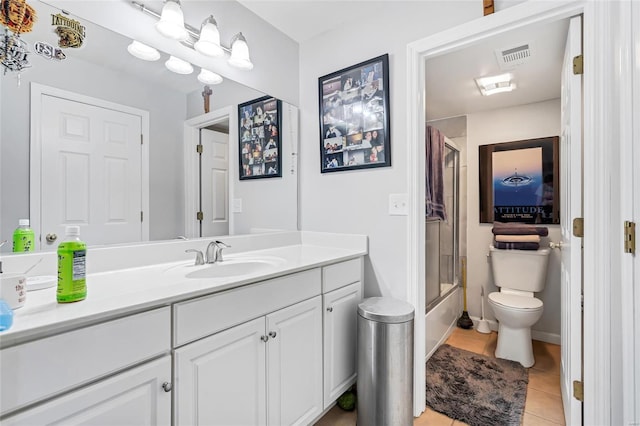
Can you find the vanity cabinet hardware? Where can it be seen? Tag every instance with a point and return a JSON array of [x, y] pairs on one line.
[[272, 334], [330, 309], [51, 238], [167, 386], [264, 338]]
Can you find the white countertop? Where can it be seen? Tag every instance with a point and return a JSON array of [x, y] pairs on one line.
[[116, 293]]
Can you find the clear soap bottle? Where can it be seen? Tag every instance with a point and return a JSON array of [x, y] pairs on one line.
[[72, 254], [23, 237]]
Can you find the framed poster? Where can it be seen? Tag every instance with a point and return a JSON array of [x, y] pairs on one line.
[[354, 117], [260, 151], [519, 181]]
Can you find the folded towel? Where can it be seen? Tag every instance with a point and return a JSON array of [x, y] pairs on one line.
[[518, 238], [514, 228], [516, 246]]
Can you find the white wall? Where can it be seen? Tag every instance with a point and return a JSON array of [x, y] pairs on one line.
[[357, 201], [507, 125]]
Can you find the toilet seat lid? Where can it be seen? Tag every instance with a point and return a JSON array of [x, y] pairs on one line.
[[513, 301]]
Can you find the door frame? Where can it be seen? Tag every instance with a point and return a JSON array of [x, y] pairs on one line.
[[601, 170], [191, 176], [35, 156]]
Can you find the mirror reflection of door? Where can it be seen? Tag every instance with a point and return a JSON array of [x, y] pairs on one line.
[[214, 176], [90, 170]]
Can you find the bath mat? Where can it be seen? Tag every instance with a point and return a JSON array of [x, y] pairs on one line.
[[476, 389]]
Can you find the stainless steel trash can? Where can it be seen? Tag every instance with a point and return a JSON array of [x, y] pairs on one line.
[[385, 362]]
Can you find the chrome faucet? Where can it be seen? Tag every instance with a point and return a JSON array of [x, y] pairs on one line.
[[199, 257], [214, 251]]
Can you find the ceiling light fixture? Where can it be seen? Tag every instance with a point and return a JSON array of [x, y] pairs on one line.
[[495, 84], [209, 77], [206, 41], [178, 66], [142, 51]]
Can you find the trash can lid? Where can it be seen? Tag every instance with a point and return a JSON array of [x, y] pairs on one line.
[[386, 309]]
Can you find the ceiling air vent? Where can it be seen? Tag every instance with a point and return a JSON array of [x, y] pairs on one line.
[[512, 57]]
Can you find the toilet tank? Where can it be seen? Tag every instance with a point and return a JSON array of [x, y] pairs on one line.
[[524, 270]]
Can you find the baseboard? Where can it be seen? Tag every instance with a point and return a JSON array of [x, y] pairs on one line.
[[542, 336]]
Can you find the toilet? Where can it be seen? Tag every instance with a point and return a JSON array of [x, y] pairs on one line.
[[518, 274]]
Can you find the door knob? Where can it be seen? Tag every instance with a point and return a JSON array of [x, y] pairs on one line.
[[167, 386], [51, 238], [272, 334], [264, 338]]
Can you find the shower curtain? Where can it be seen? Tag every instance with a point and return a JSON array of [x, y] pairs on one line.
[[434, 173]]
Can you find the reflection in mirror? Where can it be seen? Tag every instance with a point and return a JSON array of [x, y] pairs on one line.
[[52, 175]]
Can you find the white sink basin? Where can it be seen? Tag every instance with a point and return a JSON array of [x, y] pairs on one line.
[[234, 267]]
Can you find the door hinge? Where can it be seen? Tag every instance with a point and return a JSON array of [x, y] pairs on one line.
[[629, 237], [141, 139], [578, 65], [578, 390], [199, 216], [141, 216], [199, 149], [578, 227]]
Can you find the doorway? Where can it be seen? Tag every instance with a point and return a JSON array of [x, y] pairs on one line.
[[420, 52]]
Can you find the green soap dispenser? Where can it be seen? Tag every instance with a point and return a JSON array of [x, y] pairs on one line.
[[23, 237], [72, 254]]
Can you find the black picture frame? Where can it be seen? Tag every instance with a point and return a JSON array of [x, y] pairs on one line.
[[520, 181], [355, 131], [259, 138]]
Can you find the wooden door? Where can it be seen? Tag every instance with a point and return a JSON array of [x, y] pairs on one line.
[[214, 183], [90, 173], [571, 208]]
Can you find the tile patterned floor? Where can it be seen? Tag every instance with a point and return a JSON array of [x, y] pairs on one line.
[[543, 406]]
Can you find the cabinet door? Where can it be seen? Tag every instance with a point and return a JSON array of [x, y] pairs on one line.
[[220, 380], [135, 397], [340, 336], [294, 360]]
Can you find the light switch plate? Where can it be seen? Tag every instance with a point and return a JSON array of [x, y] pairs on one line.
[[237, 205], [398, 204]]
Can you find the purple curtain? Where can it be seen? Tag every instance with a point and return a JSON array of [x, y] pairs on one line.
[[434, 170]]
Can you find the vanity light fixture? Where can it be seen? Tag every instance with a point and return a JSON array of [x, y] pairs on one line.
[[206, 41], [209, 77], [209, 41], [171, 23], [142, 51], [495, 84], [178, 66]]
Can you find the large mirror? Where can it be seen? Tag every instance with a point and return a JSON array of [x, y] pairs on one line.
[[173, 121]]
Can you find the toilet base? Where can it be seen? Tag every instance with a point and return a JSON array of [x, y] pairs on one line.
[[515, 344]]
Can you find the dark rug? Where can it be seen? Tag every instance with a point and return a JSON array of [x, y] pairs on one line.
[[476, 389]]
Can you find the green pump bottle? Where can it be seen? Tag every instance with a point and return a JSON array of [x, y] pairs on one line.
[[72, 254]]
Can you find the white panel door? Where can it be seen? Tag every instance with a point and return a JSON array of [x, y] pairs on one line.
[[135, 397], [571, 207], [221, 379], [90, 172], [214, 183], [294, 364], [340, 336]]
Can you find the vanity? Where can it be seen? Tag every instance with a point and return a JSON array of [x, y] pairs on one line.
[[267, 338]]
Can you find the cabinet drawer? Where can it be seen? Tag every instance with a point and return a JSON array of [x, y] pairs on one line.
[[341, 274], [46, 367], [207, 315]]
